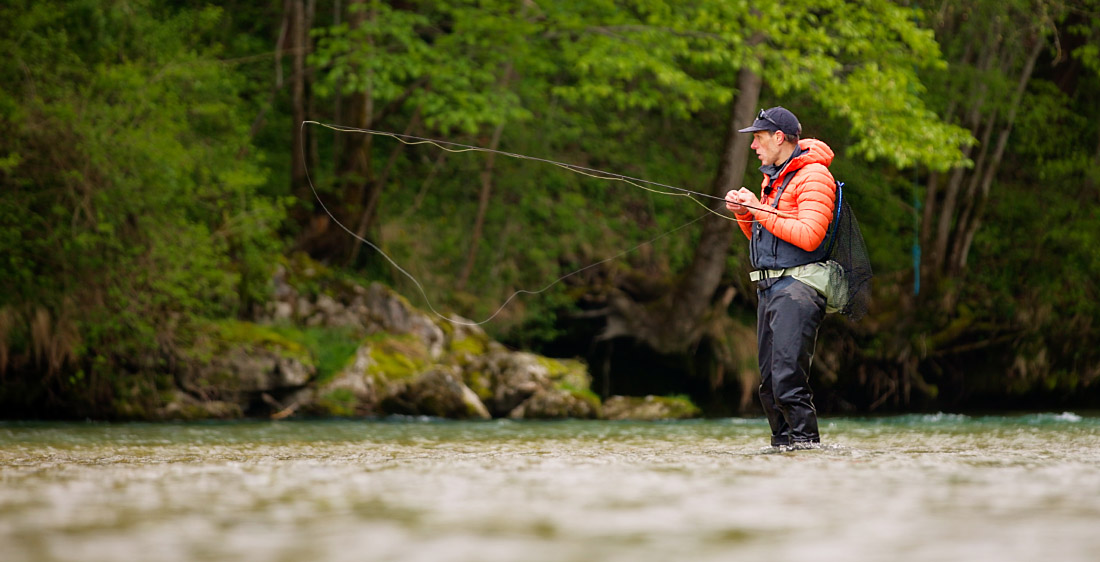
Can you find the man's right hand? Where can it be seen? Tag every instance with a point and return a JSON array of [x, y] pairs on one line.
[[733, 202]]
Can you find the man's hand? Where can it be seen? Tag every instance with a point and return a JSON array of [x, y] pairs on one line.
[[733, 203], [738, 202], [748, 199]]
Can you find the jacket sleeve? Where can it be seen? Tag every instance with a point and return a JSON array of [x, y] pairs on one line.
[[811, 202], [745, 222]]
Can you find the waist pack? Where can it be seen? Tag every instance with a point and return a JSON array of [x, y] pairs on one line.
[[828, 278]]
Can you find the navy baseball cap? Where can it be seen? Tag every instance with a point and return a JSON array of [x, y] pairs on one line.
[[775, 119]]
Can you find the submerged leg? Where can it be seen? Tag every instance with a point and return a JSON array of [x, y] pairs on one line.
[[793, 313]]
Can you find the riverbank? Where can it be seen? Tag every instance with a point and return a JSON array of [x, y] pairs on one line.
[[328, 346]]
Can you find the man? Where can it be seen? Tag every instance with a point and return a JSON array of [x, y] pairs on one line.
[[786, 227]]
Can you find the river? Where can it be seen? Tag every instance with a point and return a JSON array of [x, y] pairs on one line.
[[906, 488]]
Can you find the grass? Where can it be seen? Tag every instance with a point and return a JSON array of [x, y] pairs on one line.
[[331, 348]]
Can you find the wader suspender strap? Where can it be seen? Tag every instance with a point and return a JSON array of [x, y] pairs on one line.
[[782, 186], [775, 205]]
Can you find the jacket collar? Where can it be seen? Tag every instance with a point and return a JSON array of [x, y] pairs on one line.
[[773, 171]]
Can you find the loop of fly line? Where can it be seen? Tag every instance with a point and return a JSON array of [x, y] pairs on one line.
[[445, 145]]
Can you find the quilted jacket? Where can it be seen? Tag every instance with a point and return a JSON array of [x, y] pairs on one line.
[[807, 204]]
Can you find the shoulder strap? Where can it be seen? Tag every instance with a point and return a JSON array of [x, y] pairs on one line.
[[836, 218], [782, 186]]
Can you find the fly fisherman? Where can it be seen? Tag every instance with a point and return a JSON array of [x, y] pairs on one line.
[[797, 183]]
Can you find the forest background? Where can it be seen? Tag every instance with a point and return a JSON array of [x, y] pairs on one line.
[[156, 169]]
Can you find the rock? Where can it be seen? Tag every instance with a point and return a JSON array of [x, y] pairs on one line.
[[237, 373], [407, 362], [393, 313], [184, 407], [352, 392], [282, 312], [244, 369], [557, 404], [467, 343], [507, 379], [649, 408], [439, 393]]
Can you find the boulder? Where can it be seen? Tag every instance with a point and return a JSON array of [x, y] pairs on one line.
[[649, 408], [506, 379], [556, 403], [407, 362], [241, 374], [390, 312], [182, 406], [438, 393]]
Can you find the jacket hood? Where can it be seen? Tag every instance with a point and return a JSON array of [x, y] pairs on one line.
[[813, 152]]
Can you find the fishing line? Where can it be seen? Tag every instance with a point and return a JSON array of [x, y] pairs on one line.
[[591, 172]]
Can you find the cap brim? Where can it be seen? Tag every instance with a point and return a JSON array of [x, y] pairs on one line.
[[753, 129]]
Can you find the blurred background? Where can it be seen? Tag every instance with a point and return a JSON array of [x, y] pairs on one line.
[[157, 178]]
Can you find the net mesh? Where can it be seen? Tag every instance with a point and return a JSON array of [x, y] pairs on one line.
[[847, 249]]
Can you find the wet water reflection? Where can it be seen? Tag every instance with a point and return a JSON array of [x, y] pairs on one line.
[[940, 487]]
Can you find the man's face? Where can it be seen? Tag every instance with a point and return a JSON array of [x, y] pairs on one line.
[[766, 144]]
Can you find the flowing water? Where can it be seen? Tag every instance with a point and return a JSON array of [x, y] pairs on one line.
[[908, 488]]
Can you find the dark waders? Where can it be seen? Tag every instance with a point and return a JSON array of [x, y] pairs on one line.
[[788, 317]]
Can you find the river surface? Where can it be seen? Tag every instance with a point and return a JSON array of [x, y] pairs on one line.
[[910, 488]]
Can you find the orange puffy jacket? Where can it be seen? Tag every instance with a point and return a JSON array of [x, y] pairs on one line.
[[808, 199]]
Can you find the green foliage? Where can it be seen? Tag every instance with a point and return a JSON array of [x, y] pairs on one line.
[[331, 349], [230, 333], [338, 402], [396, 357], [639, 88], [389, 52], [136, 203], [125, 208]]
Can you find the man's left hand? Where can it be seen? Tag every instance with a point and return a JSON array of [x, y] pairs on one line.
[[748, 198]]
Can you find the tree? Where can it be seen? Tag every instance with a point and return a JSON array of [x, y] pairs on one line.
[[444, 60], [994, 48], [858, 62], [124, 211]]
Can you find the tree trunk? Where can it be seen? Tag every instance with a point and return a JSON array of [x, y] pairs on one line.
[[352, 172], [486, 193], [938, 257], [1090, 179], [297, 36], [338, 96], [374, 195], [968, 230], [692, 297], [676, 322], [971, 196], [482, 209]]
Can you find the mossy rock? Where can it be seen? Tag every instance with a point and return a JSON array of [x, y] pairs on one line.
[[337, 402], [567, 373], [218, 338], [396, 357], [481, 383], [649, 408], [466, 345], [556, 404], [440, 393]]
